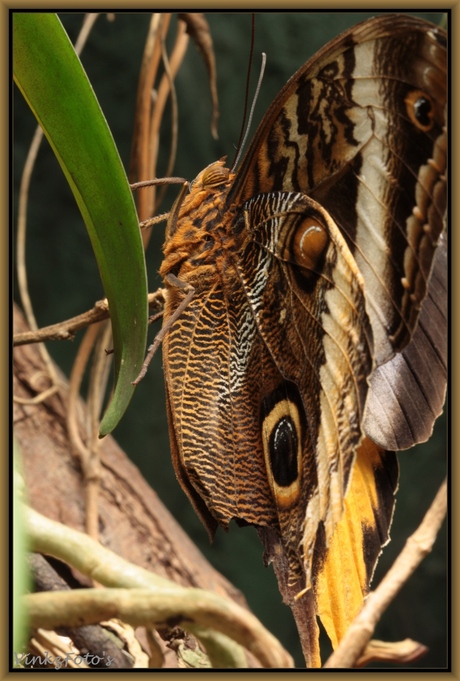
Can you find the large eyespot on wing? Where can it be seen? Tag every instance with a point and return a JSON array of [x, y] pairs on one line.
[[283, 423]]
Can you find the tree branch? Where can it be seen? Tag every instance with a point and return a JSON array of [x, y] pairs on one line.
[[66, 330], [146, 599]]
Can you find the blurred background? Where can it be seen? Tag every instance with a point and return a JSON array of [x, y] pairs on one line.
[[63, 282]]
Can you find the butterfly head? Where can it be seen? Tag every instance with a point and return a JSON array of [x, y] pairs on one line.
[[214, 176]]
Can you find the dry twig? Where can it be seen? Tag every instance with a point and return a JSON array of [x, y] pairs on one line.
[[66, 330], [198, 28], [141, 162]]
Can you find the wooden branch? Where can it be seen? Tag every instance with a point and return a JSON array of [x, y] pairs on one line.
[[418, 545], [65, 330], [142, 607]]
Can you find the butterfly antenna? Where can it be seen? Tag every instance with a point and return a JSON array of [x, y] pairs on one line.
[[251, 113], [246, 96]]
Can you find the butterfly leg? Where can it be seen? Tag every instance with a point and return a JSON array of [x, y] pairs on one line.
[[190, 292]]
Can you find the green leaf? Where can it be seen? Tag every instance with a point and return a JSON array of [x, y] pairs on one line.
[[50, 76]]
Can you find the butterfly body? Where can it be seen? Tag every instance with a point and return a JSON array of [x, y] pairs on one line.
[[309, 267]]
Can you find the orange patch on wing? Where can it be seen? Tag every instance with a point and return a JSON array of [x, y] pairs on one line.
[[342, 581]]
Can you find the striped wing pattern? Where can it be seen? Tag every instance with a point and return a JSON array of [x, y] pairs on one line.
[[344, 126]]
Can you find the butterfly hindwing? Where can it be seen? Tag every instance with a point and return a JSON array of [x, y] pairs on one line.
[[262, 427], [308, 301], [404, 398]]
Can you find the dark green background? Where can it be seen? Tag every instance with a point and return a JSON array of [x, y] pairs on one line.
[[63, 282]]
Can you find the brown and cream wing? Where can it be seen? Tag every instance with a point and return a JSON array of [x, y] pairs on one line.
[[361, 128]]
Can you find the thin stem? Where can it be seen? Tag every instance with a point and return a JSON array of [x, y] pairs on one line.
[[66, 330], [98, 382], [165, 89]]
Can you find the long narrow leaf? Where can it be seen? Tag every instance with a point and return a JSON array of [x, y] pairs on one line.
[[52, 80]]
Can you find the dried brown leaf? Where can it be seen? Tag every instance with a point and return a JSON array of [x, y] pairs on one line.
[[398, 652], [198, 29]]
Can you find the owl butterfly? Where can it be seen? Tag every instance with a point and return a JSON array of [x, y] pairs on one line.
[[313, 342]]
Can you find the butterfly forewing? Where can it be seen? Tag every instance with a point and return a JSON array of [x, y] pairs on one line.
[[360, 128]]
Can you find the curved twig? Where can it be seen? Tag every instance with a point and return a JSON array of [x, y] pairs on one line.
[[98, 382], [165, 89], [141, 153], [138, 596]]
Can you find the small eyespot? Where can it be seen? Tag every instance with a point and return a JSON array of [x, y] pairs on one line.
[[420, 110], [309, 243]]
